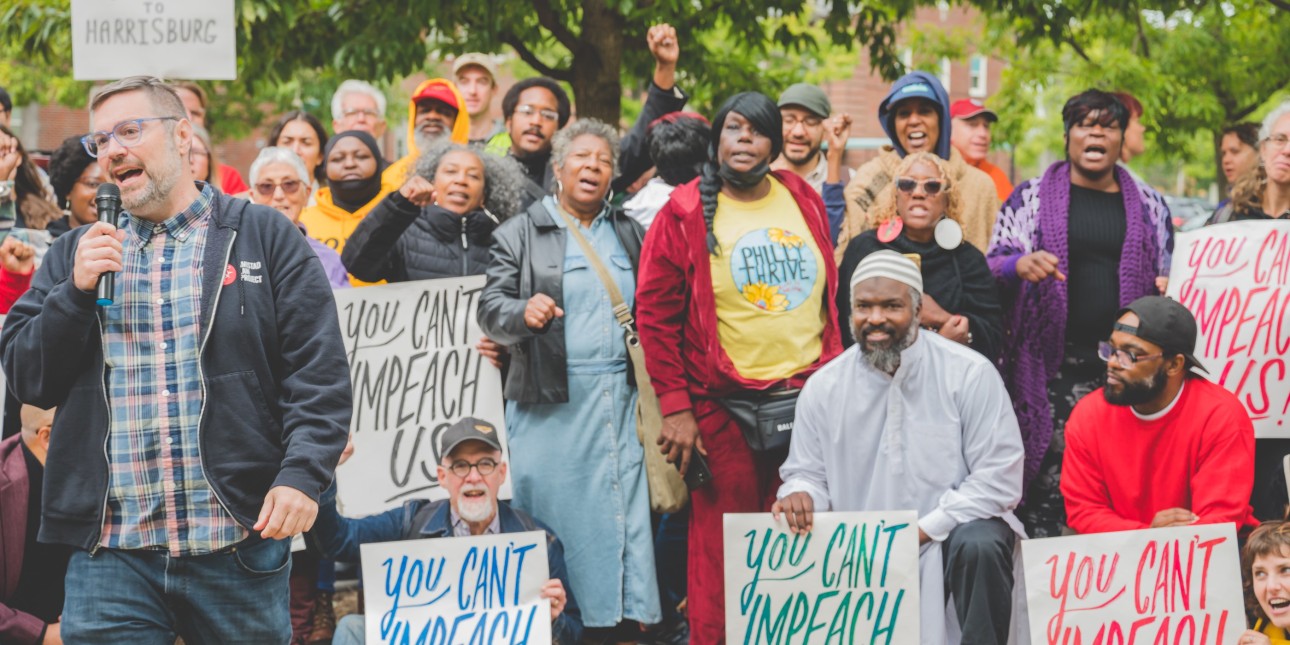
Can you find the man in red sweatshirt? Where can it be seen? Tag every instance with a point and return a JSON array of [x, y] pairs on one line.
[[1158, 446]]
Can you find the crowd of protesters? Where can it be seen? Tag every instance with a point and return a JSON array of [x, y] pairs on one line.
[[1000, 359]]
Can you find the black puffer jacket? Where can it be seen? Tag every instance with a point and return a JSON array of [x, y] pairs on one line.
[[398, 242]]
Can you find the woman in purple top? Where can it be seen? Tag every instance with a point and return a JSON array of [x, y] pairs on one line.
[[1069, 250], [279, 179]]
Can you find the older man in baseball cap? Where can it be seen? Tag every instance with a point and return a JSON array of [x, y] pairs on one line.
[[472, 471], [970, 134], [1159, 445]]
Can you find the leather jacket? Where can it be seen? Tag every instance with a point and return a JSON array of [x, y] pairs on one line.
[[527, 258]]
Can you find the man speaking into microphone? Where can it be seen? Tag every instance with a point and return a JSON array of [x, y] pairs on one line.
[[201, 413]]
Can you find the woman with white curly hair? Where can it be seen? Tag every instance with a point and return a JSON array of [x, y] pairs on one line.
[[280, 180], [440, 223]]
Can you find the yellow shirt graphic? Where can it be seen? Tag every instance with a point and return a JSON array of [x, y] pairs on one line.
[[769, 285]]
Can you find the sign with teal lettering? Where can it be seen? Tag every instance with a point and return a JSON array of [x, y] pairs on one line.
[[457, 591], [192, 39], [852, 579]]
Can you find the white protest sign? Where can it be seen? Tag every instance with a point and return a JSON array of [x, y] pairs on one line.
[[1235, 279], [454, 591], [190, 39], [415, 371], [852, 579], [1176, 585]]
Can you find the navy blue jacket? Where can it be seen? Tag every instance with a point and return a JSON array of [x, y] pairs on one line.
[[338, 538], [277, 404]]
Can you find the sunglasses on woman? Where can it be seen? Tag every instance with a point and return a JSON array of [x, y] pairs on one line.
[[289, 187], [930, 186]]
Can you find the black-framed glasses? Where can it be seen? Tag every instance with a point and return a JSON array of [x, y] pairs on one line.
[[485, 466], [529, 110], [1106, 351], [930, 186], [127, 133]]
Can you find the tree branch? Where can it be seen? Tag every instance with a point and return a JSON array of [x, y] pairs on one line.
[[527, 55], [547, 17], [1070, 40], [1142, 32], [1280, 4], [1241, 113]]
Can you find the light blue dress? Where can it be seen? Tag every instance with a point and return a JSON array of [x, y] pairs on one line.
[[578, 466]]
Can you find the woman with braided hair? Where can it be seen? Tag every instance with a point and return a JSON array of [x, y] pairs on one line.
[[1070, 249], [734, 301]]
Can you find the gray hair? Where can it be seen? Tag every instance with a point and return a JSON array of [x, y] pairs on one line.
[[274, 154], [560, 142], [163, 97], [353, 86], [1270, 121], [503, 177]]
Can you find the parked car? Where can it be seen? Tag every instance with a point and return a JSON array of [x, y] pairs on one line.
[[1189, 213]]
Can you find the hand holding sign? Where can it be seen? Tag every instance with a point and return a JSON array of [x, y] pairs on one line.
[[798, 509], [553, 591]]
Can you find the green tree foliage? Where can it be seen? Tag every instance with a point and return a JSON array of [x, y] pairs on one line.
[[1195, 66]]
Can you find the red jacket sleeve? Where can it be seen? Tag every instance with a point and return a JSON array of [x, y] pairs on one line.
[[1088, 503], [1224, 474], [231, 180], [12, 286], [662, 308]]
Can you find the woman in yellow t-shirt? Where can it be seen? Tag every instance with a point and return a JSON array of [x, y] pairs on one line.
[[734, 301], [1265, 565]]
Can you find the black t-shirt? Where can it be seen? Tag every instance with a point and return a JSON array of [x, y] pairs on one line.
[[40, 586], [1096, 228]]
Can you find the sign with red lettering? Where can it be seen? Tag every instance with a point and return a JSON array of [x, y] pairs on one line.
[[1177, 585], [1235, 278], [169, 39]]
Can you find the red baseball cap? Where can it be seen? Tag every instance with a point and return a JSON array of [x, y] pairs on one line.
[[968, 108], [438, 92]]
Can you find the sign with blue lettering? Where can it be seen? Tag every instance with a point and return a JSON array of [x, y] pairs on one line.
[[457, 591], [852, 579], [415, 371], [189, 39]]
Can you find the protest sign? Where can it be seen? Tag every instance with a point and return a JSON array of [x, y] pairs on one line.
[[190, 39], [852, 579], [1235, 279], [1179, 585], [454, 591], [415, 371]]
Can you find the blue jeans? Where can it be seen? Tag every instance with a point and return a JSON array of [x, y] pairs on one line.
[[149, 597], [349, 631]]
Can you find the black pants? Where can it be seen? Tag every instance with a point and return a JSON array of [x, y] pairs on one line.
[[977, 560]]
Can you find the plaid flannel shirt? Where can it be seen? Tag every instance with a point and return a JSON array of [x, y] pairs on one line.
[[158, 496]]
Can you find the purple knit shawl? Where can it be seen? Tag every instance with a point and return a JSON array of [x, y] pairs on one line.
[[1035, 218]]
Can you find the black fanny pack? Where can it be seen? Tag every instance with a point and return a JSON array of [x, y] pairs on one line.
[[765, 418]]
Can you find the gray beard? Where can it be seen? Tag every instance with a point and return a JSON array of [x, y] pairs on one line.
[[427, 141], [159, 185], [885, 359]]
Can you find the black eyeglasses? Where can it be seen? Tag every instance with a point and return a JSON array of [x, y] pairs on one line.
[[485, 466], [126, 133], [1125, 358], [930, 186]]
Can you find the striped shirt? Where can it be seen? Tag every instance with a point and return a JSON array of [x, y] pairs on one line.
[[158, 496]]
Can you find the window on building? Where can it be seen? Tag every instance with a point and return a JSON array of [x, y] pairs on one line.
[[945, 74], [978, 76], [907, 59]]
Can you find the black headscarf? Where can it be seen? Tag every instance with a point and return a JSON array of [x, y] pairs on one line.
[[353, 194], [764, 116]]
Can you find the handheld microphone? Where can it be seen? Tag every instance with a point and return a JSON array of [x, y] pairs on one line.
[[108, 204]]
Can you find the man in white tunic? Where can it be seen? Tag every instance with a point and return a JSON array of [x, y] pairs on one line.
[[906, 419]]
